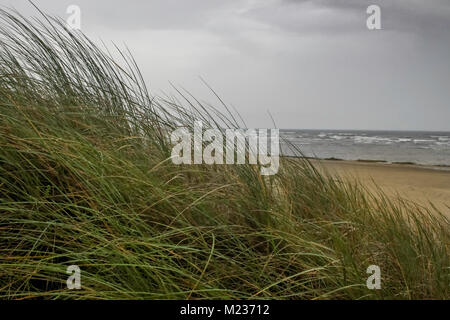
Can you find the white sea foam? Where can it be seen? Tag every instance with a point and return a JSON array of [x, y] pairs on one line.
[[423, 140], [369, 140], [337, 137]]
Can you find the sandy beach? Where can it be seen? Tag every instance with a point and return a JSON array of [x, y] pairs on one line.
[[420, 184]]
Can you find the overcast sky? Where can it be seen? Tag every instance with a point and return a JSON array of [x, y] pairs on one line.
[[312, 64]]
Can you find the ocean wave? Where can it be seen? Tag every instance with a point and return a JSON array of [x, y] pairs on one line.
[[371, 140], [442, 143], [337, 137], [444, 138], [423, 140]]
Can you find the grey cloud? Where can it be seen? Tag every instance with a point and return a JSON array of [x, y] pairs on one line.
[[132, 14], [313, 64], [333, 17]]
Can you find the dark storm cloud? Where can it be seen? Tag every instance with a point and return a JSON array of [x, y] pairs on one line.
[[303, 16]]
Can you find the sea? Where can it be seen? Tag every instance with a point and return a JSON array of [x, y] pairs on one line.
[[417, 147]]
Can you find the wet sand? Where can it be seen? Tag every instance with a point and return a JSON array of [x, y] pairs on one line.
[[420, 184]]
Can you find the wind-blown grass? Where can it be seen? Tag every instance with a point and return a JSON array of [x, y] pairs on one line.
[[86, 179]]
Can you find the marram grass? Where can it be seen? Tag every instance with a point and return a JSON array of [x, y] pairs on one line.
[[86, 179]]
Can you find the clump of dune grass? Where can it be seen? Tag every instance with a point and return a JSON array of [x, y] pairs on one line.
[[86, 179]]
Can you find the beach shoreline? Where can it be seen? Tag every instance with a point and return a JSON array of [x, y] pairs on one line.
[[441, 167], [421, 184]]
